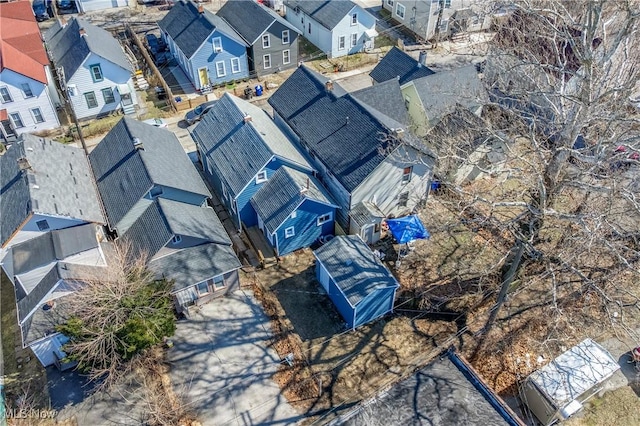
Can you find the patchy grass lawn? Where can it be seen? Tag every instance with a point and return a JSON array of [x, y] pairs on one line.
[[24, 376], [620, 407]]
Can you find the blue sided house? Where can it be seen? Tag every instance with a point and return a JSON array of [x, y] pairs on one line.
[[208, 50], [294, 210], [357, 282], [241, 149]]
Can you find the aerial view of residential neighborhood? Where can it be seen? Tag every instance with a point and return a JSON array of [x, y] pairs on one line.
[[320, 212]]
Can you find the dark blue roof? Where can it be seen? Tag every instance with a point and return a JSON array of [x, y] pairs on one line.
[[385, 97], [397, 64], [328, 13], [189, 29], [236, 13], [338, 129]]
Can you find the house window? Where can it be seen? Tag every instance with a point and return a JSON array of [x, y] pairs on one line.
[[262, 177], [403, 199], [37, 115], [400, 10], [354, 19], [309, 27], [286, 57], [285, 37], [266, 61], [203, 288], [5, 95], [235, 65], [26, 89], [176, 239], [406, 174], [376, 228], [96, 73], [407, 101], [289, 232], [444, 25], [354, 39], [218, 282], [266, 41], [390, 2], [447, 4], [324, 218], [217, 44], [90, 97], [220, 69], [156, 191], [42, 225], [107, 95], [341, 42], [16, 119]]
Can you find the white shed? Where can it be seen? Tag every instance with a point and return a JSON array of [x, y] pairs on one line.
[[557, 391]]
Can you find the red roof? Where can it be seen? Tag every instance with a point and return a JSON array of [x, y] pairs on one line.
[[21, 47], [3, 114]]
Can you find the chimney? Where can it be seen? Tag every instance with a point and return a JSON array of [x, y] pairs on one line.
[[247, 118], [397, 133], [422, 59], [137, 144], [200, 8], [328, 86], [82, 32]]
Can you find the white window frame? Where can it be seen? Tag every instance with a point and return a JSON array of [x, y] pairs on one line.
[[289, 232], [342, 42], [217, 285], [33, 115], [217, 44], [354, 19], [444, 25], [266, 41], [176, 239], [43, 225], [13, 120], [286, 59], [219, 72], [95, 98], [285, 37], [203, 293], [354, 39], [406, 177], [389, 2], [265, 59], [405, 202], [6, 90], [262, 177], [24, 92], [235, 65], [294, 214], [327, 217], [404, 10]]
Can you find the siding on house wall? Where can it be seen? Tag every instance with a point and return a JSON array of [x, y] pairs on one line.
[[218, 185], [384, 185], [375, 305], [419, 124], [248, 215], [83, 82], [190, 294], [275, 50], [338, 299], [306, 227], [24, 105], [91, 5], [346, 29], [319, 36], [205, 57], [419, 16]]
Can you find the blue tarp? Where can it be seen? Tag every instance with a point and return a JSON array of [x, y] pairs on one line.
[[407, 229]]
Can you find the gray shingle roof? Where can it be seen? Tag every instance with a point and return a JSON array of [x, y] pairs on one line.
[[149, 233], [328, 13], [125, 174], [385, 97], [345, 135], [250, 19], [354, 267], [195, 264], [69, 49], [27, 303], [239, 150], [281, 195], [396, 64], [441, 92], [59, 183], [189, 29], [193, 221]]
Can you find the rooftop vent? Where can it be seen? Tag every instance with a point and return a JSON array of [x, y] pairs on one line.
[[397, 133], [422, 59], [328, 86], [305, 188], [348, 262], [23, 164], [137, 144], [200, 8], [82, 32], [247, 118]]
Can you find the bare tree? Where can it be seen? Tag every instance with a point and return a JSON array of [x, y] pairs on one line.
[[116, 315]]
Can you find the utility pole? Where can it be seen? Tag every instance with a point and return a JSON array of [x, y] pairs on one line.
[[436, 34], [68, 107]]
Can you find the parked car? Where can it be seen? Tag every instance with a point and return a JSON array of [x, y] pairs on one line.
[[197, 113], [152, 42], [40, 10], [158, 122], [65, 4]]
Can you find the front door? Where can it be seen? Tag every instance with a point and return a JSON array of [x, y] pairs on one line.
[[204, 77], [125, 98]]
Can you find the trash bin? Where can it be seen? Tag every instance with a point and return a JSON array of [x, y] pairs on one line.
[[259, 90]]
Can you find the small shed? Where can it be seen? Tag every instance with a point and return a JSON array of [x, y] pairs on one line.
[[357, 282], [558, 390]]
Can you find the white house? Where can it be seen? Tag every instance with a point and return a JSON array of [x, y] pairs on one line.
[[337, 27], [27, 92], [85, 6], [93, 67]]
